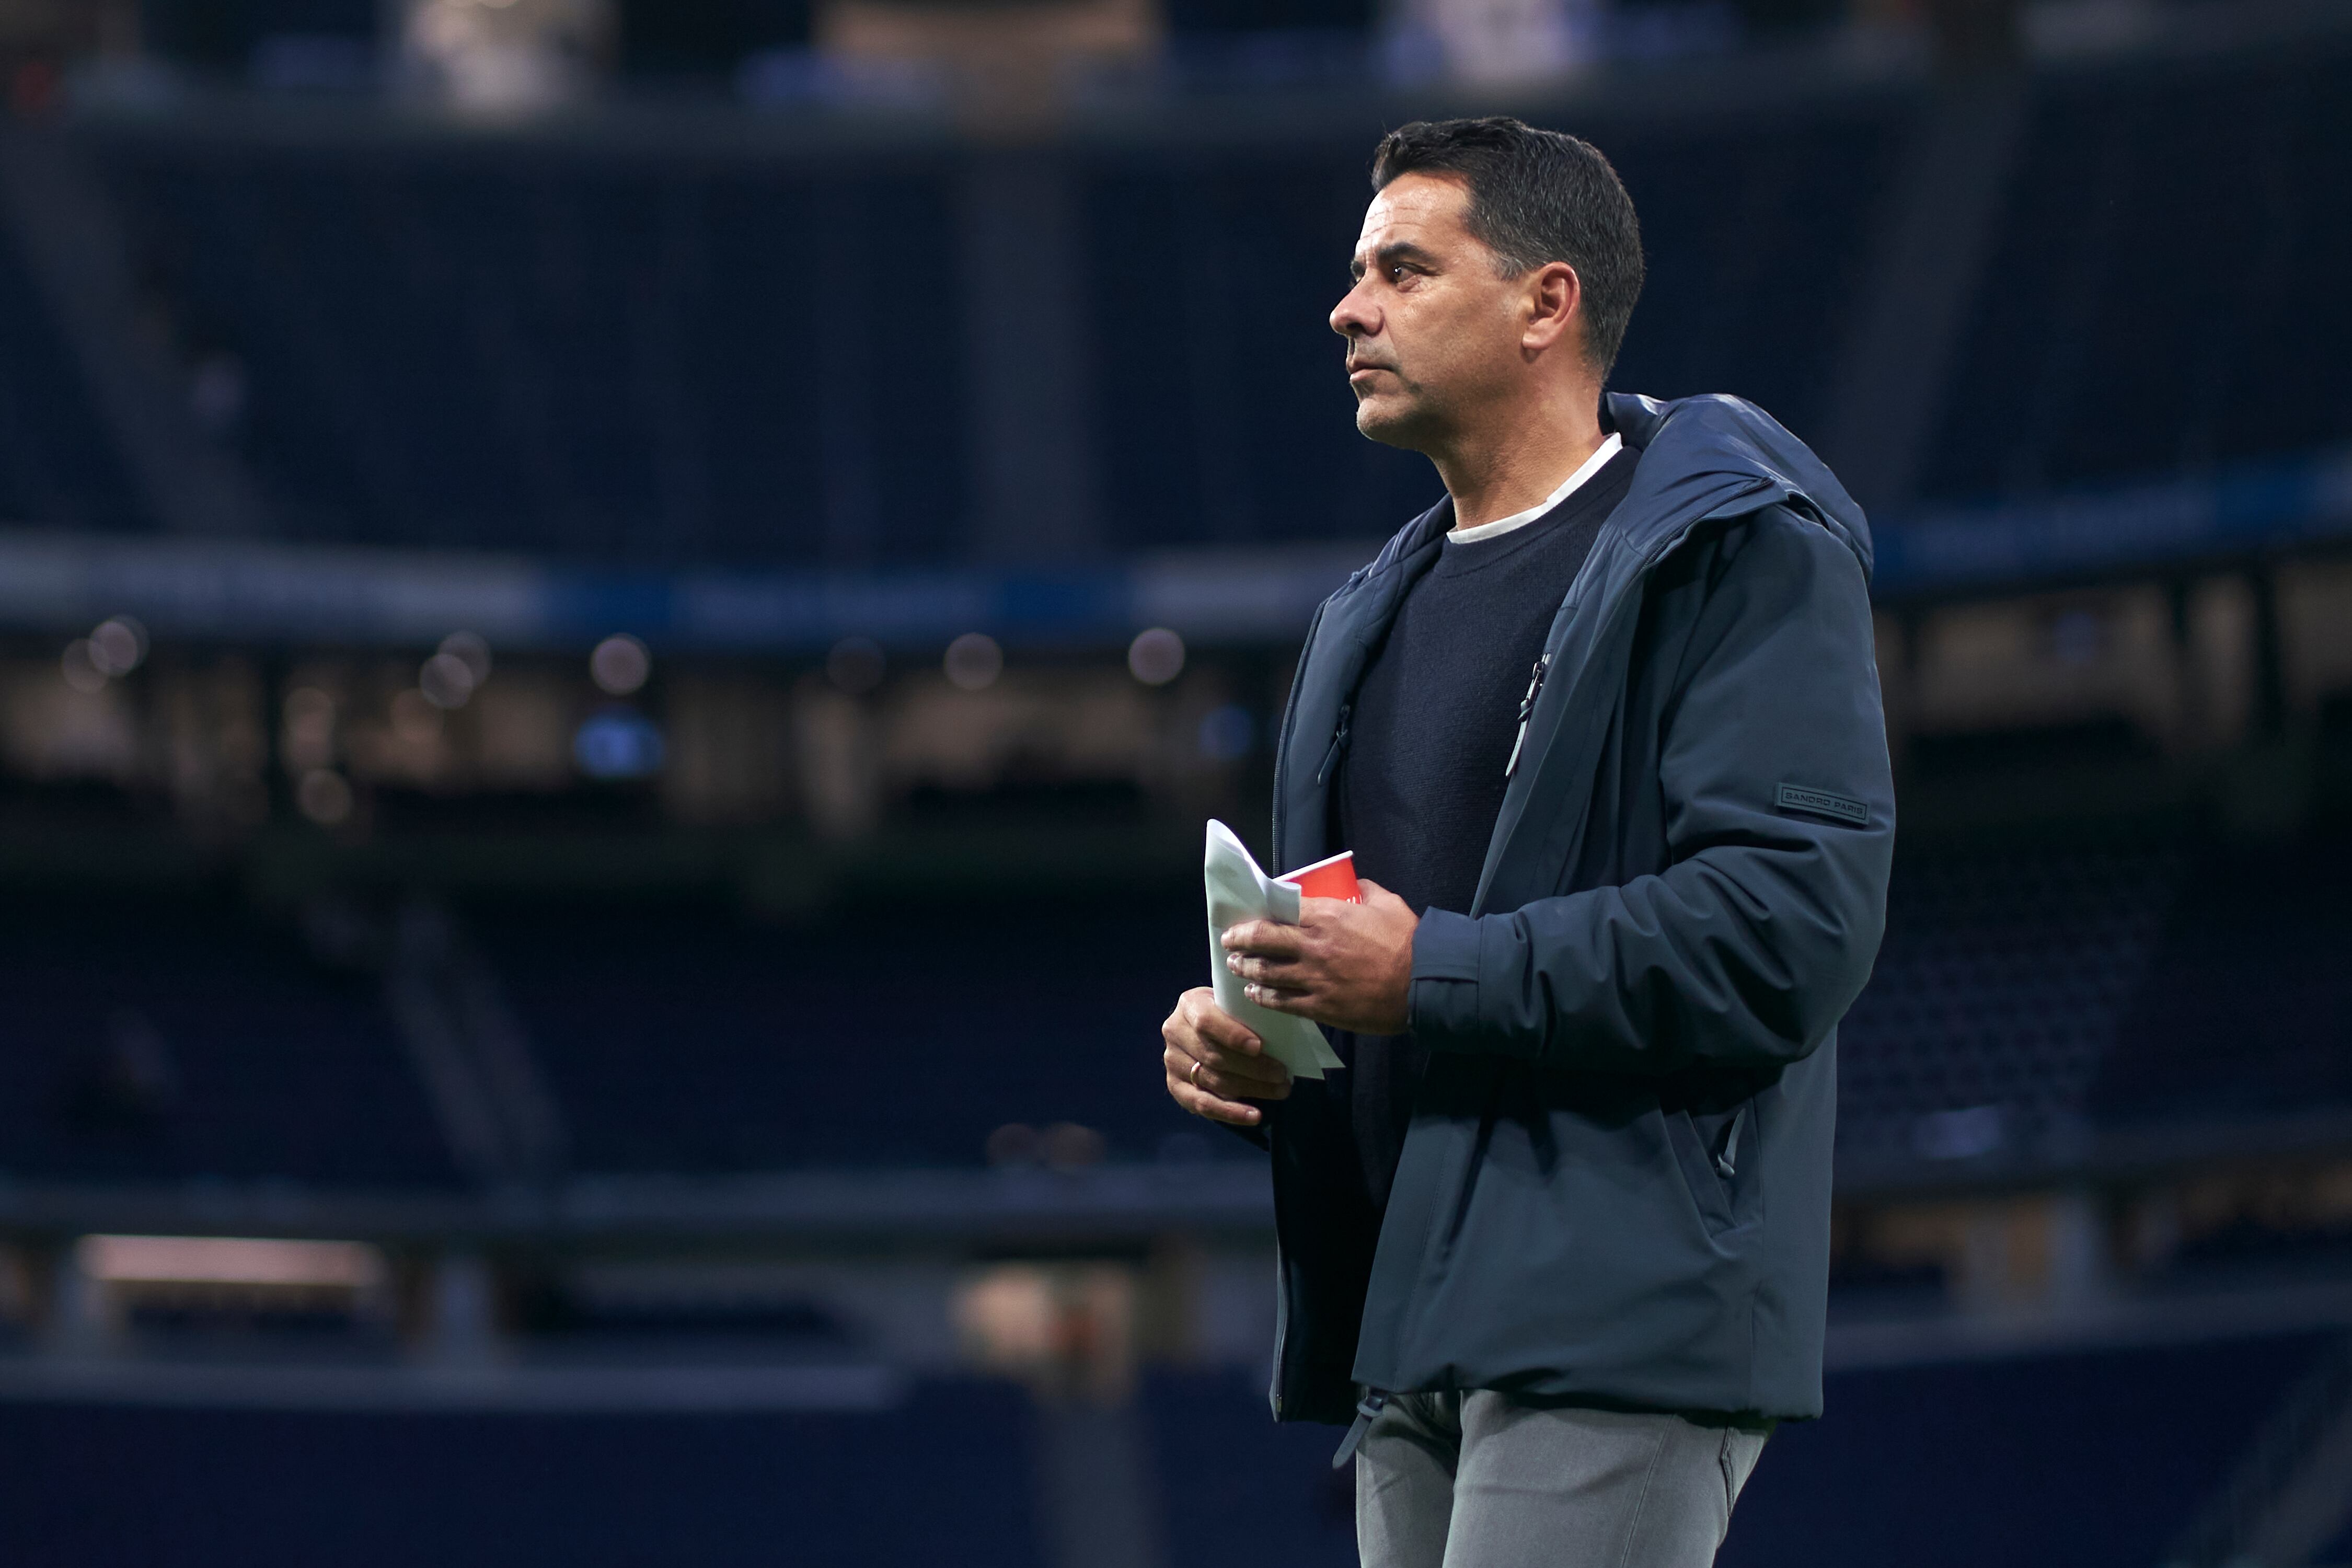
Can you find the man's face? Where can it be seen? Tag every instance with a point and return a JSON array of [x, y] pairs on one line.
[[1433, 330]]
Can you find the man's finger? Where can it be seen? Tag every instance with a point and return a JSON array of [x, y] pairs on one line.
[[1229, 1077], [1221, 1028], [1287, 973], [1276, 999], [1265, 939], [1200, 1102], [1218, 1087], [1249, 1074], [1224, 1085]]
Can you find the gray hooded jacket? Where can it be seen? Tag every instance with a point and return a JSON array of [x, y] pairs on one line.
[[1616, 1188]]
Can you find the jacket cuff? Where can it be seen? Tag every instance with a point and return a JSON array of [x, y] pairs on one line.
[[1442, 998]]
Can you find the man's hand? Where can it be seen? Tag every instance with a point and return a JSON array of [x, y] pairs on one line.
[[1348, 965], [1214, 1062]]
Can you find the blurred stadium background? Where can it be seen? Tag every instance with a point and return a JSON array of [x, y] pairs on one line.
[[617, 618]]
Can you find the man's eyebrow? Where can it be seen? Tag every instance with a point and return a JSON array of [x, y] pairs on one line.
[[1389, 255]]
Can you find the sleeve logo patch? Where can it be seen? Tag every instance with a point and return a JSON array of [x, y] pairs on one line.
[[1822, 803]]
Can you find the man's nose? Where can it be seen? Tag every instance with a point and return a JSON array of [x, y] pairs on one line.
[[1351, 317]]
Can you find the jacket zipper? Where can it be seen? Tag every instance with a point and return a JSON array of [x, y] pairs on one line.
[[1339, 743], [1526, 713], [1648, 563]]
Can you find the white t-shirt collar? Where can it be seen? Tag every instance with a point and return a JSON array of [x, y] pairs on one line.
[[1502, 525]]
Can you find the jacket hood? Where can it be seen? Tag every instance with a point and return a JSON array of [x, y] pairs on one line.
[[1718, 456], [1713, 456]]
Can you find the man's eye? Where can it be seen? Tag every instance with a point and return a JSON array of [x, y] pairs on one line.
[[1397, 273]]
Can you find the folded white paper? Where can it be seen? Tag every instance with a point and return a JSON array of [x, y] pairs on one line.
[[1239, 891]]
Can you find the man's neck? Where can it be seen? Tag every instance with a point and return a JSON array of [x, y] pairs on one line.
[[1494, 473]]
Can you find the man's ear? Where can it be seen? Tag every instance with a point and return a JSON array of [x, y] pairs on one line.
[[1555, 298]]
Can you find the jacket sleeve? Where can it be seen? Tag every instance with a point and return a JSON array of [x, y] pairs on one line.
[[1747, 949]]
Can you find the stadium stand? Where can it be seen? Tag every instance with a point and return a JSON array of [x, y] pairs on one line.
[[1734, 215], [2134, 344], [522, 352], [2094, 1456], [1941, 1466], [700, 1041], [1210, 1427], [2024, 1000], [1731, 213], [2249, 1007], [1266, 242], [519, 350], [2095, 1201], [57, 465], [2248, 1245], [943, 1479], [2000, 993], [2122, 1446], [159, 1040], [524, 348]]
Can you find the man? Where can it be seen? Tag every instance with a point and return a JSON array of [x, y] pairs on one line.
[[1603, 731]]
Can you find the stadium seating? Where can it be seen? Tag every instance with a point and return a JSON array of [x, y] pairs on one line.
[[1228, 1462], [171, 1039], [2000, 994], [2093, 1097], [2249, 1009], [1225, 417], [944, 1478], [541, 353], [58, 466], [530, 352], [2092, 1460], [1759, 242], [679, 1039], [2024, 998], [2112, 338], [2022, 1002], [690, 359], [537, 353]]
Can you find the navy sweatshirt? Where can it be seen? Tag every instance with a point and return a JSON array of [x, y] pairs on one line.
[[1431, 735]]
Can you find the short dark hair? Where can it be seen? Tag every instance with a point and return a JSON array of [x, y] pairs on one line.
[[1536, 196]]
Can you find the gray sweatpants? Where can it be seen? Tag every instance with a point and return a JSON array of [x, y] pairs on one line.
[[1473, 1480]]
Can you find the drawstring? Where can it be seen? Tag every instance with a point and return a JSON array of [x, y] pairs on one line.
[[1367, 1410], [1726, 1162]]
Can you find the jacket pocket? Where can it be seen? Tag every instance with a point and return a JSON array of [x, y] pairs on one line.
[[1708, 1159]]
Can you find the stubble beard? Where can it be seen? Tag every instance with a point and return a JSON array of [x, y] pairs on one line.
[[1401, 418]]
